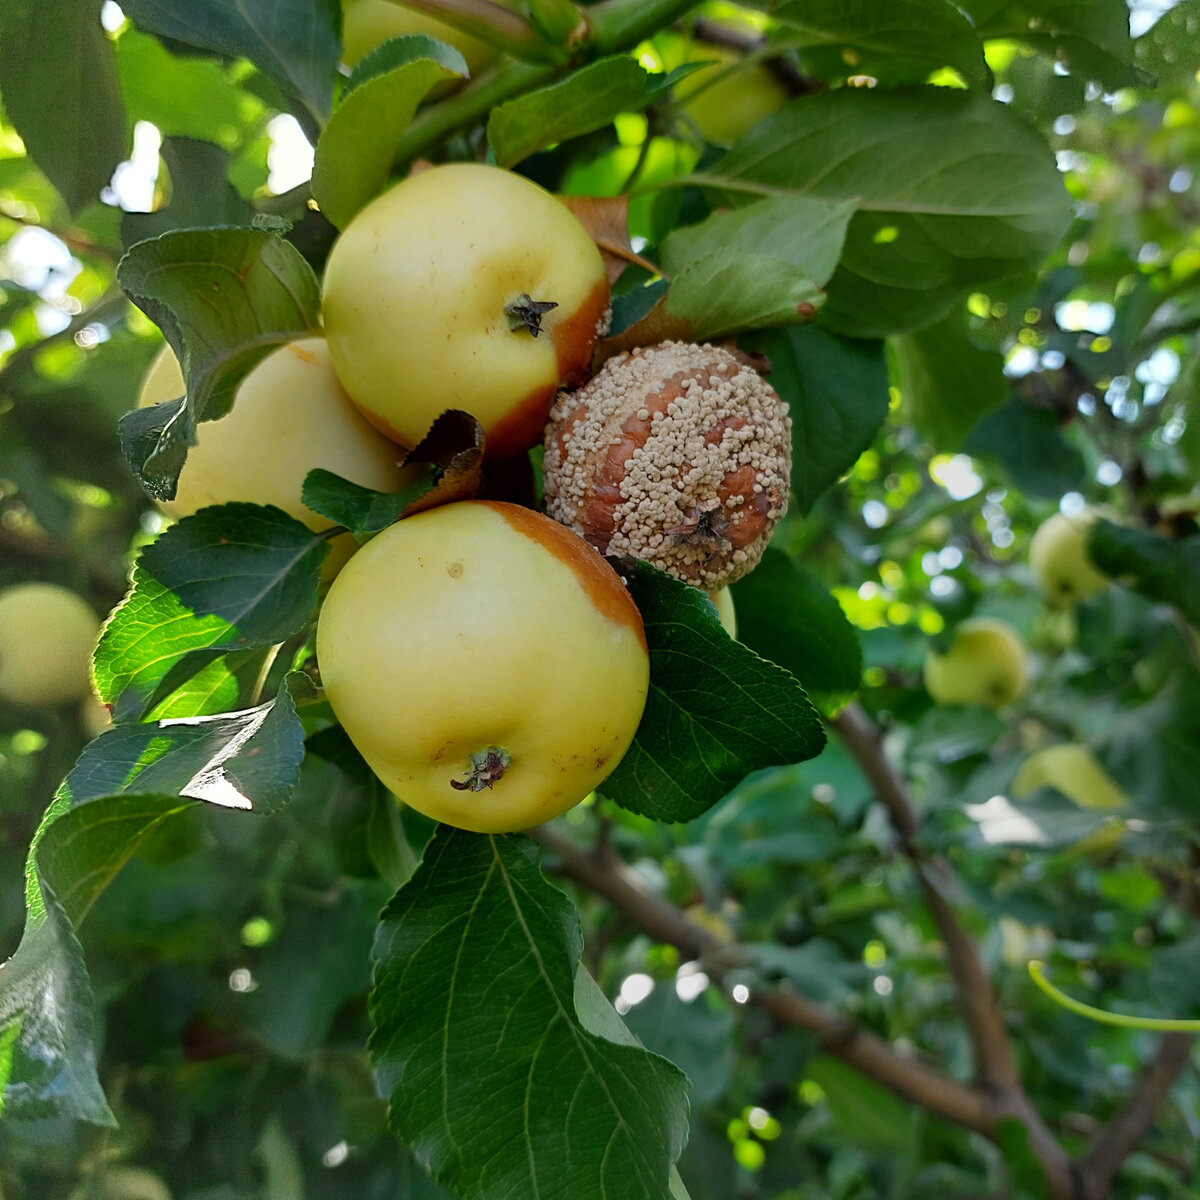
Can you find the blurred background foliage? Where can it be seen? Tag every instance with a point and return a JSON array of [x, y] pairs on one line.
[[230, 957]]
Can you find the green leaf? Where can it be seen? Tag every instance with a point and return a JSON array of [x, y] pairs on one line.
[[1027, 441], [58, 78], [787, 615], [864, 1112], [1169, 50], [295, 42], [837, 392], [201, 193], [947, 381], [355, 151], [730, 291], [363, 511], [806, 233], [893, 41], [229, 578], [1090, 37], [187, 96], [715, 711], [127, 783], [585, 101], [224, 298], [493, 1081], [1159, 567], [952, 190]]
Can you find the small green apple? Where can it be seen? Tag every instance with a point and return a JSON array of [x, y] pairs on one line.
[[987, 664], [47, 634], [1058, 558], [723, 599]]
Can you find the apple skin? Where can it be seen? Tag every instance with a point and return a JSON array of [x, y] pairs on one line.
[[985, 665], [290, 415], [1058, 559], [482, 625], [723, 599], [414, 304], [1073, 770], [367, 24], [47, 635]]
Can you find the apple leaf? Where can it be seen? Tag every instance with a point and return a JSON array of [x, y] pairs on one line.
[[71, 119], [951, 190], [836, 389], [585, 101], [947, 381], [1027, 441], [805, 232], [1089, 37], [715, 711], [892, 41], [1162, 568], [295, 42], [224, 298], [355, 151], [786, 615], [493, 1079], [229, 578], [126, 783]]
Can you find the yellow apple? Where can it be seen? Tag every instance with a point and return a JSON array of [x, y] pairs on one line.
[[723, 599], [488, 664], [47, 634], [290, 415], [726, 103], [427, 304], [1073, 770], [367, 24], [986, 665], [1059, 562], [123, 1183]]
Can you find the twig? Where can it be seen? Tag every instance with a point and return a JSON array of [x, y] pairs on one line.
[[995, 1062], [917, 1083], [1118, 1138]]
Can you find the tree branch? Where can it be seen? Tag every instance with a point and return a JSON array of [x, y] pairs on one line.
[[1118, 1138], [608, 877]]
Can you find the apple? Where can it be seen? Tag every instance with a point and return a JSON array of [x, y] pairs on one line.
[[724, 103], [469, 287], [290, 415], [367, 24], [47, 635], [1073, 770], [986, 665], [488, 664], [723, 599], [677, 454], [123, 1183], [1058, 558]]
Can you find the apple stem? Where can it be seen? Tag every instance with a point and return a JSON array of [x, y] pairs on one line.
[[487, 766]]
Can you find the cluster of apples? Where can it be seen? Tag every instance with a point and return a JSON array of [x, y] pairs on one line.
[[987, 662], [485, 659]]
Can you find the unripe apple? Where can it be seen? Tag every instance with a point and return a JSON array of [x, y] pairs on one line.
[[467, 287], [367, 24], [289, 416], [1058, 558], [47, 634], [676, 454], [123, 1183], [986, 665], [724, 104], [488, 664], [1073, 770]]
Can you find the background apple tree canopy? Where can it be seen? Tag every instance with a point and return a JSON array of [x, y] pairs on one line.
[[779, 947]]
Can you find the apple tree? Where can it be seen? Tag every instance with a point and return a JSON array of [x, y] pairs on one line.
[[895, 887]]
